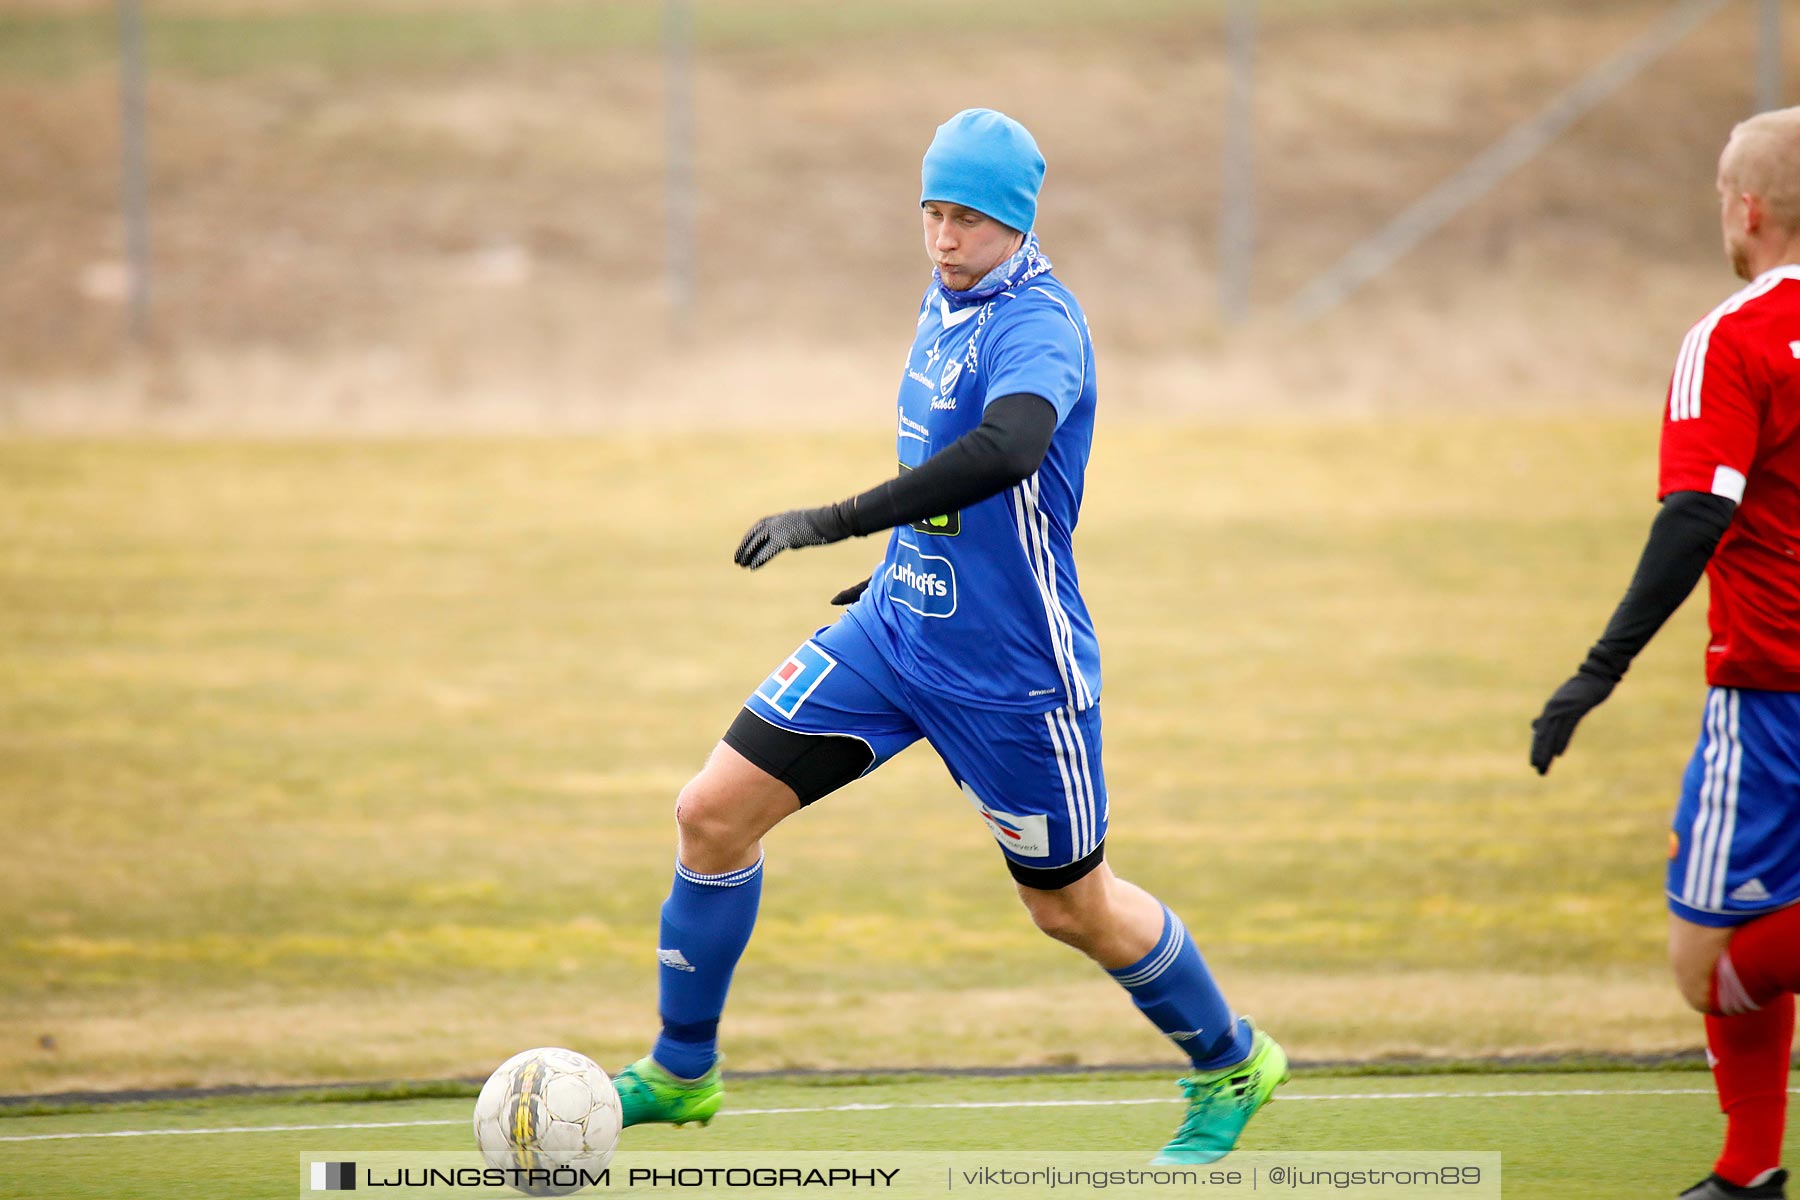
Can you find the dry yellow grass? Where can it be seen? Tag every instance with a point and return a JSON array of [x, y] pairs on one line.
[[327, 759], [1341, 1016]]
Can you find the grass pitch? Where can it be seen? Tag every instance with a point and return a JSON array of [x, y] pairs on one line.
[[355, 760], [1601, 1135]]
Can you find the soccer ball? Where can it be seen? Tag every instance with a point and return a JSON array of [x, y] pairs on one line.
[[546, 1109]]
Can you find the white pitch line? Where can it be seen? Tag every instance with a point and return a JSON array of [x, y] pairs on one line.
[[64, 1137], [961, 1104], [760, 1112]]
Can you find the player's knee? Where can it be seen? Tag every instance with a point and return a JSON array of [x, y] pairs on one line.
[[1057, 916], [1693, 978], [706, 817], [1694, 953], [1697, 995]]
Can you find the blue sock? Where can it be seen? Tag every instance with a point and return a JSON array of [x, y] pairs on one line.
[[1172, 987], [706, 923]]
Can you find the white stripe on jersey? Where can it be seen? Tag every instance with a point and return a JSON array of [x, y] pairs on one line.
[[1082, 697], [1678, 387], [1034, 536], [1079, 339], [1028, 540], [1690, 364]]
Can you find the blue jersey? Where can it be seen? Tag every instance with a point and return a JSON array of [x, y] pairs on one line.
[[983, 605]]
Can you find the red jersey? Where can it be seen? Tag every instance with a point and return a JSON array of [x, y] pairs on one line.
[[1732, 428]]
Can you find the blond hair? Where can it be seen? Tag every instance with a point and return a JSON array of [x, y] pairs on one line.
[[1763, 159]]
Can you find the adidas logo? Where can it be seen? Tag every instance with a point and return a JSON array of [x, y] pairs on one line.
[[1751, 891], [675, 959]]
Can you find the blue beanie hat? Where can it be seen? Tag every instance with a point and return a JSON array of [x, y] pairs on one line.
[[986, 161]]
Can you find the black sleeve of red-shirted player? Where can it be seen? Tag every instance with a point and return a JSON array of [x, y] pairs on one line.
[[1682, 540]]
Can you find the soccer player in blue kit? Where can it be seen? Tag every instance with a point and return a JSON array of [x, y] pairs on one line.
[[971, 634]]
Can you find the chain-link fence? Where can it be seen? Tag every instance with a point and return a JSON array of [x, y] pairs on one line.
[[546, 210]]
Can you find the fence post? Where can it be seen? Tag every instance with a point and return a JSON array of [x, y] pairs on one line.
[[1768, 57], [134, 190], [1237, 212], [678, 131]]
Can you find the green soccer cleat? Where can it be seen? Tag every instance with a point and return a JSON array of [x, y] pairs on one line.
[[1221, 1103], [649, 1094]]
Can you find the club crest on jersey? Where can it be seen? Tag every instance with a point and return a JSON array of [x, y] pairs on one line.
[[1027, 837], [788, 686], [947, 385], [925, 583]]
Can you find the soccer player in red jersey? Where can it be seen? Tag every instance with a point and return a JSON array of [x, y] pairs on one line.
[[1730, 491]]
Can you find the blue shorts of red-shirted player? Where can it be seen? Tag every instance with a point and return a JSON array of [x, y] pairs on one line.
[[1734, 847]]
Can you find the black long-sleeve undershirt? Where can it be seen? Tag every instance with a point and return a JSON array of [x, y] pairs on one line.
[[1008, 445], [1682, 539]]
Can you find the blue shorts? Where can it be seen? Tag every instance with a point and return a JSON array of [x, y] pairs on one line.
[[1734, 848], [1034, 779]]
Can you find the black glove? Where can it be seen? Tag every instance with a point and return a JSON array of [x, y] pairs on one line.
[[1682, 539], [793, 529], [1572, 701], [853, 593], [1008, 445]]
